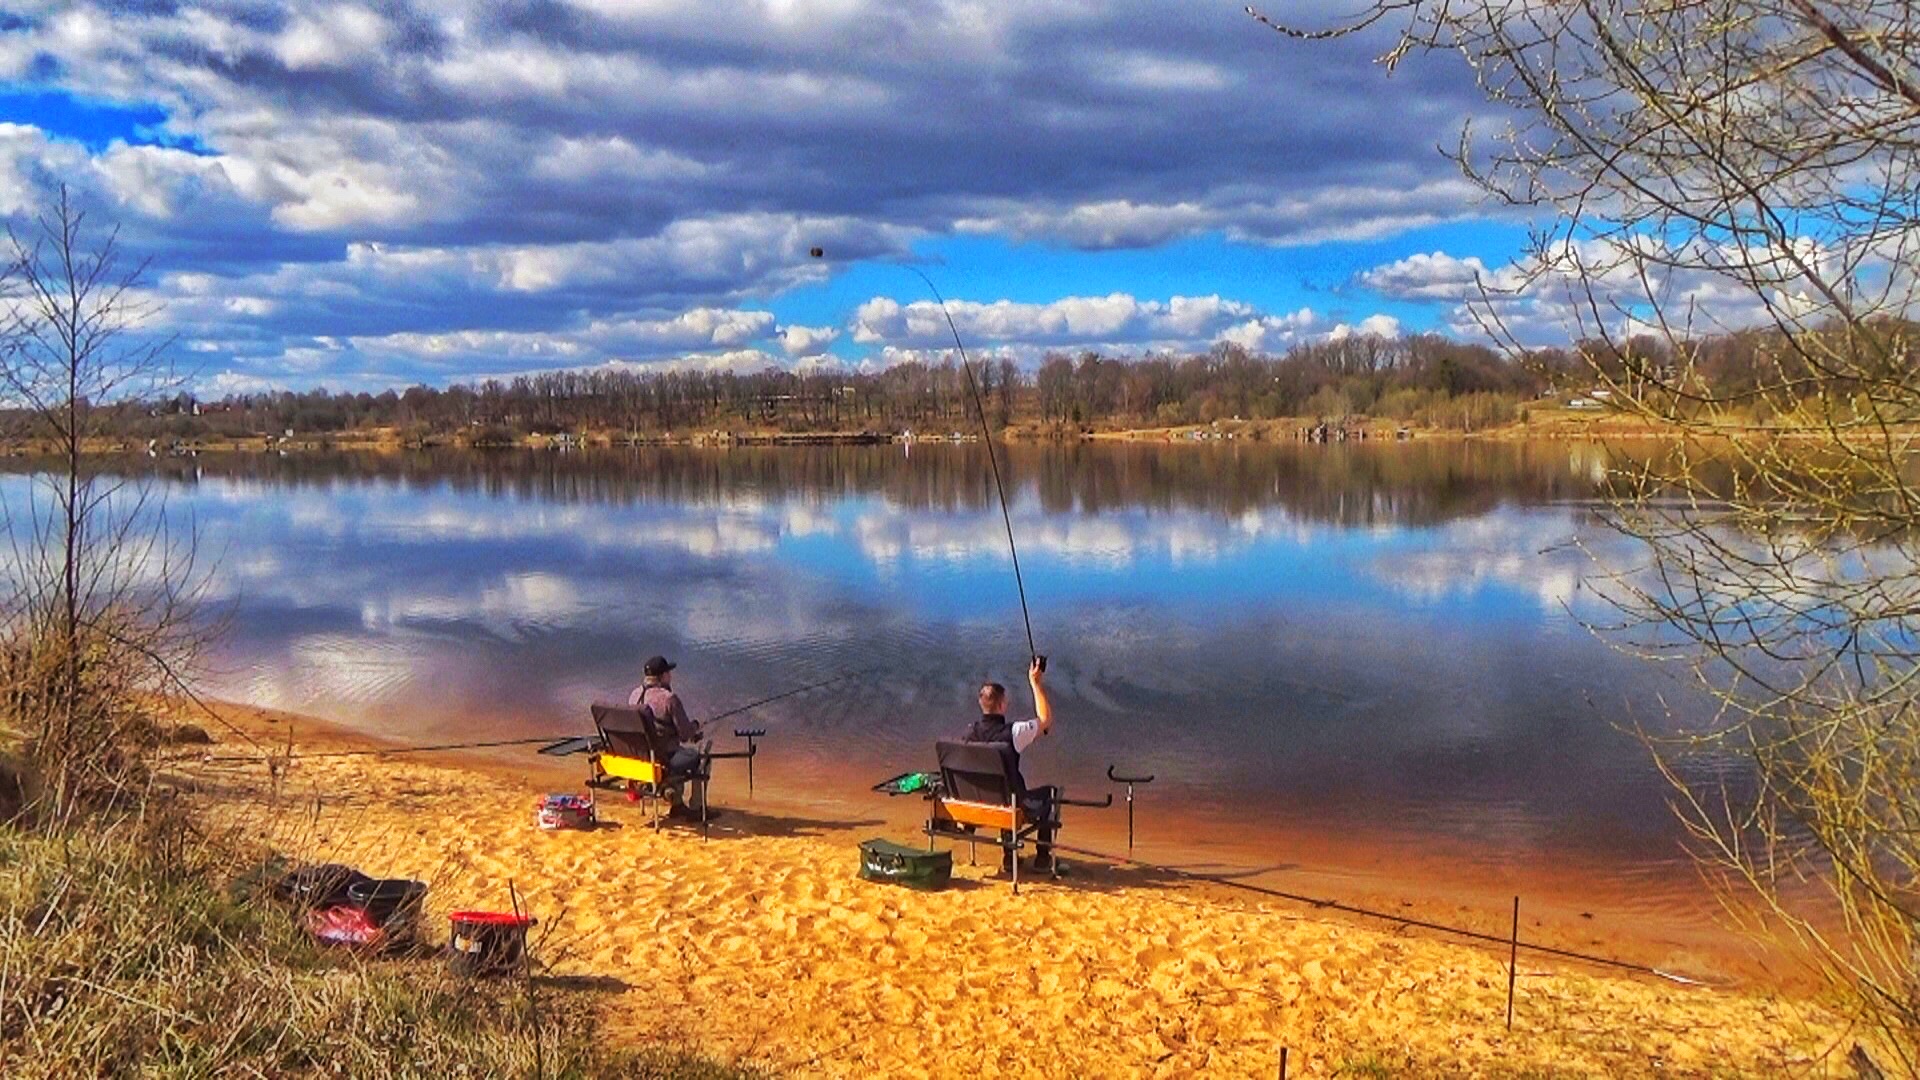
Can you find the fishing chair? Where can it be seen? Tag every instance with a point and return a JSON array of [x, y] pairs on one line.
[[980, 788], [626, 758], [627, 755]]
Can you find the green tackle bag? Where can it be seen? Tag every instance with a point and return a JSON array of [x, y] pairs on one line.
[[916, 868]]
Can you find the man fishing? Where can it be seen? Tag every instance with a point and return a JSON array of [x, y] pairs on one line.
[[675, 736], [992, 727]]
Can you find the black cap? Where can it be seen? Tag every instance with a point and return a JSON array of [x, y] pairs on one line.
[[656, 666]]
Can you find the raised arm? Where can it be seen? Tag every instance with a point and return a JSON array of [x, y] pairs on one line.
[[1042, 704]]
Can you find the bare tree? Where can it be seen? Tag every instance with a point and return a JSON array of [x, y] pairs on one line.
[[98, 617], [1746, 169]]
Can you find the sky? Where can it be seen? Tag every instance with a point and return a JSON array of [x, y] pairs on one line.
[[370, 196]]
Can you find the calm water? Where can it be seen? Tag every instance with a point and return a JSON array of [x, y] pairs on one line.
[[1379, 640]]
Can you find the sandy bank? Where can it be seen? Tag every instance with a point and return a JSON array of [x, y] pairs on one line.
[[770, 950]]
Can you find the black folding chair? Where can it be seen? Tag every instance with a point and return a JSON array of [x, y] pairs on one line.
[[629, 750], [980, 788]]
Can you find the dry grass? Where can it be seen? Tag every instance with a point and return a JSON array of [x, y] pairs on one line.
[[137, 943]]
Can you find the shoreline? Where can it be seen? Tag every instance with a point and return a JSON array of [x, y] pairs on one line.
[[1657, 916], [786, 959], [1558, 425]]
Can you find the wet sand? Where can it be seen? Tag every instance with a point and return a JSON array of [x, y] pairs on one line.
[[761, 945]]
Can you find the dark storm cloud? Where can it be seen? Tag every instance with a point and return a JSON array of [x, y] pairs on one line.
[[546, 164]]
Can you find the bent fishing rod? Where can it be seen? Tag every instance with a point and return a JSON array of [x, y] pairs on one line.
[[485, 744], [993, 462], [986, 436]]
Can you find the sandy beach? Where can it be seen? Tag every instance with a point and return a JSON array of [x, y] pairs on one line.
[[761, 945]]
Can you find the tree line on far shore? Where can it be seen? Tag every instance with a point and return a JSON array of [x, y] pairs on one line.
[[1423, 380]]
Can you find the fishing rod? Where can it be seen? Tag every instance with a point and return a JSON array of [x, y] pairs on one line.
[[842, 677], [986, 435], [531, 740], [993, 462]]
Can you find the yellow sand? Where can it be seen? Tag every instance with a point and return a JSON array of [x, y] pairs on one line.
[[762, 946]]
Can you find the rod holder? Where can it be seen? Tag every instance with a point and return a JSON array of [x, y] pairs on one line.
[[1129, 781], [750, 734]]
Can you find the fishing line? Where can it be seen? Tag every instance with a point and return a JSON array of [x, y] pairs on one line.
[[434, 747], [986, 434], [1402, 920], [842, 677]]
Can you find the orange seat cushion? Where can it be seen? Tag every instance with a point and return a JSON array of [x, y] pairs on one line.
[[983, 815]]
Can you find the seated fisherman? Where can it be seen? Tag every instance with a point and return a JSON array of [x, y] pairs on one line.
[[992, 727], [675, 737]]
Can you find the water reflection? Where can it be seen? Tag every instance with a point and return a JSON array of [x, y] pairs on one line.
[[1349, 485], [1377, 638]]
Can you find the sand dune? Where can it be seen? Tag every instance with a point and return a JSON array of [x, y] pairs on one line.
[[762, 945]]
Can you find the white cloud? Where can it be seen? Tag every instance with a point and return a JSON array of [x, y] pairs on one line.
[[330, 38], [807, 340], [1115, 223], [1578, 289], [1436, 276], [611, 156], [1148, 71], [230, 382], [1116, 317], [1271, 333], [1316, 215], [1376, 325]]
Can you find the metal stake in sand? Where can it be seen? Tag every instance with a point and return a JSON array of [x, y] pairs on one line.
[[1129, 781], [1513, 960]]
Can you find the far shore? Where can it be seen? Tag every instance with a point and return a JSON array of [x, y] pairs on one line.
[[761, 945], [1543, 423]]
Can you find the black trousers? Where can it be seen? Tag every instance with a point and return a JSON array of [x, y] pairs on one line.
[[1039, 808], [681, 764]]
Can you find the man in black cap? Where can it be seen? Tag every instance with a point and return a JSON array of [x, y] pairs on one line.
[[674, 735]]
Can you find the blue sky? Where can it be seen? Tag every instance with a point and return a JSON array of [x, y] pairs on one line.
[[368, 196], [95, 125]]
